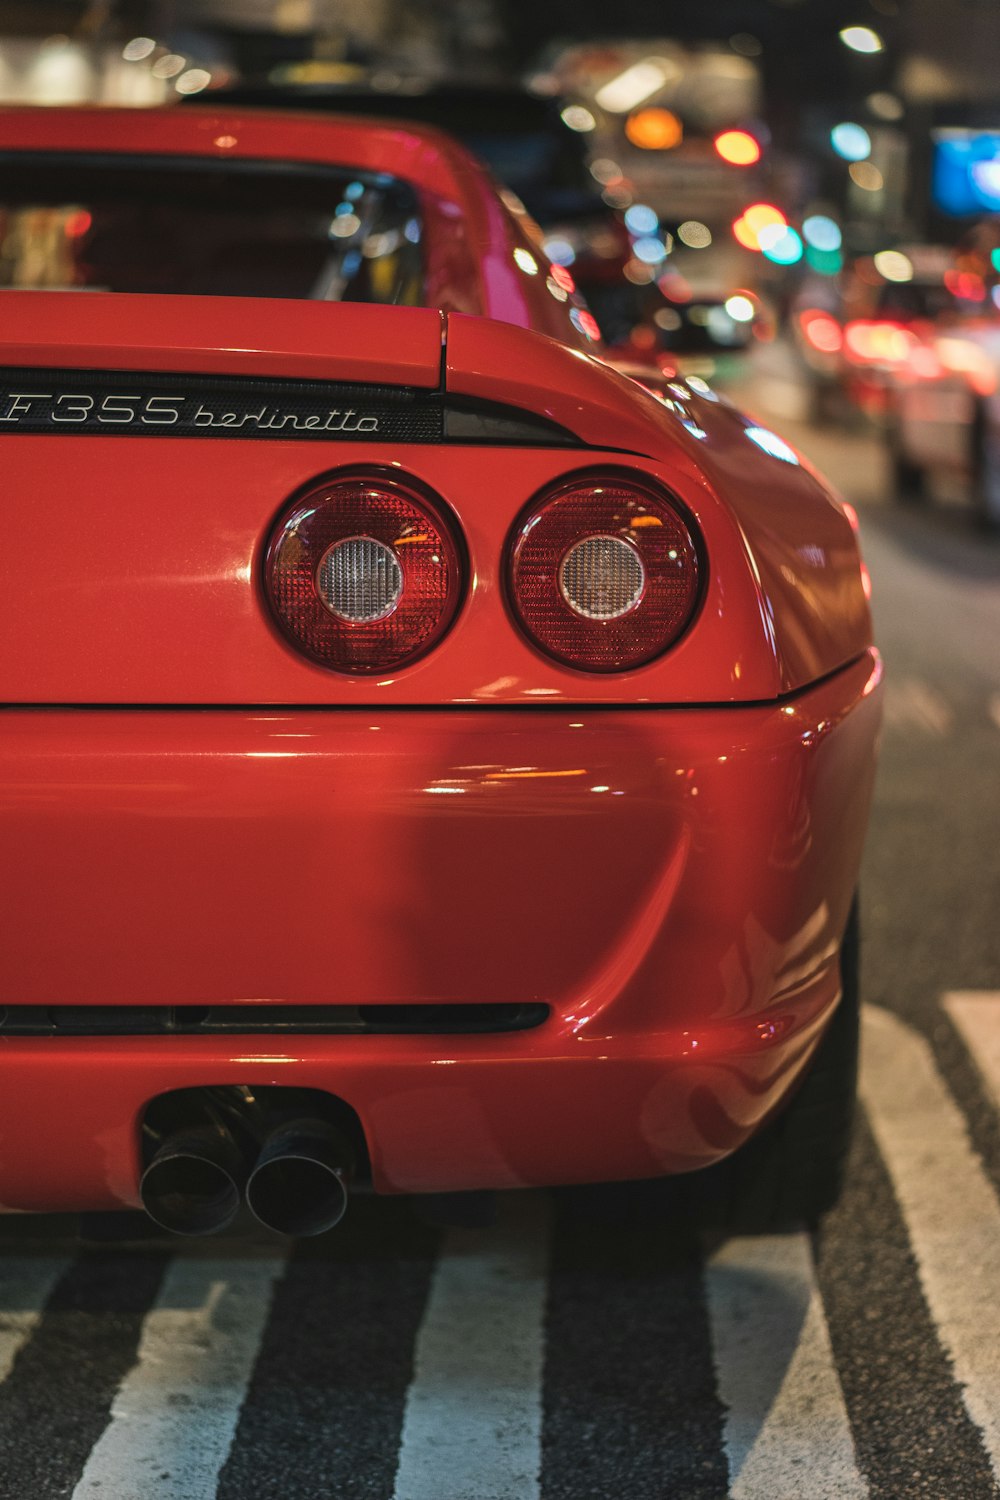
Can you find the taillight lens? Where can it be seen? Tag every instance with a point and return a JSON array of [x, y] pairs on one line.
[[363, 573], [603, 572]]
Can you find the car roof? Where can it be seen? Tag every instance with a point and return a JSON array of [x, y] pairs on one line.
[[521, 136], [422, 155]]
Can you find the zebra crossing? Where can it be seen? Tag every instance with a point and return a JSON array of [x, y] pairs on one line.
[[542, 1359]]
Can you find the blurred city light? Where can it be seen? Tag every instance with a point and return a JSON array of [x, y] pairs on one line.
[[169, 66], [822, 232], [740, 308], [738, 147], [821, 330], [852, 142], [578, 117], [138, 49], [866, 176], [641, 219], [654, 129], [760, 215], [760, 223], [526, 261], [560, 251], [60, 73], [635, 84], [651, 251], [886, 106], [826, 262], [782, 246], [894, 265], [862, 39], [193, 80], [694, 234]]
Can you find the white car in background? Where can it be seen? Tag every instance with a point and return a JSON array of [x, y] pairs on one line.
[[943, 410]]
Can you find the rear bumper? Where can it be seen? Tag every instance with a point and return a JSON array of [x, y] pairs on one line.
[[673, 884]]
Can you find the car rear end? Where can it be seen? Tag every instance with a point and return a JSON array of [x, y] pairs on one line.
[[403, 716]]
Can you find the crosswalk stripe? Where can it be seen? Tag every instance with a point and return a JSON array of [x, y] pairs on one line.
[[786, 1427], [951, 1211], [976, 1013], [472, 1426], [173, 1418], [25, 1284], [336, 1361], [632, 1407]]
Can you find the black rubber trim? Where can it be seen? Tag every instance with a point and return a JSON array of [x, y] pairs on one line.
[[269, 1020]]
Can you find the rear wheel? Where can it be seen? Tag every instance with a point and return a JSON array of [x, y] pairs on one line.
[[792, 1172], [787, 1175]]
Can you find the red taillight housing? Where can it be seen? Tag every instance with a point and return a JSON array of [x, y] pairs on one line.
[[363, 573], [603, 572]]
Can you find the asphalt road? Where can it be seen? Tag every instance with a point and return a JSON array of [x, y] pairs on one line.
[[547, 1359]]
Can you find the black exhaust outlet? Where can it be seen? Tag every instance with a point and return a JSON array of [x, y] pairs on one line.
[[194, 1183], [301, 1181]]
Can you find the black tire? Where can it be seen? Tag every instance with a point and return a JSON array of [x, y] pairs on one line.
[[791, 1173], [985, 472]]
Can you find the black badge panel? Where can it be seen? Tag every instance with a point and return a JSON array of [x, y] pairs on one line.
[[151, 405]]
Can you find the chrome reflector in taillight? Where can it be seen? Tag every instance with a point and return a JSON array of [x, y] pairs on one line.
[[363, 573], [360, 580], [603, 572], [602, 577]]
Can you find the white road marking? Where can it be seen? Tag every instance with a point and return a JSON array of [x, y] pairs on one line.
[[787, 1432], [976, 1013], [175, 1413], [911, 703], [951, 1210], [26, 1282], [473, 1423]]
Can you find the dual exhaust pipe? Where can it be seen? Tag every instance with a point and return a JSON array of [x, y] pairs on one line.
[[295, 1182]]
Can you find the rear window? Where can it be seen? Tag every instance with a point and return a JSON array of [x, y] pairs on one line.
[[229, 229]]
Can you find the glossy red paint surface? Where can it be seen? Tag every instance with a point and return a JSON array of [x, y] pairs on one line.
[[223, 336], [192, 812], [174, 530], [673, 884], [150, 587]]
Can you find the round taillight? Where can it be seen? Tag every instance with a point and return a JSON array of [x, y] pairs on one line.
[[363, 573], [603, 572]]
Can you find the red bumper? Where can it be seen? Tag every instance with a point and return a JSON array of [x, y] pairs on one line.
[[673, 884]]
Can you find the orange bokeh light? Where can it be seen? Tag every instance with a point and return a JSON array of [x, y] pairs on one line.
[[654, 129], [745, 235], [738, 147], [762, 215], [754, 220]]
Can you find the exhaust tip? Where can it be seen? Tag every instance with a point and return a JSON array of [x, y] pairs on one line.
[[192, 1185], [300, 1183]]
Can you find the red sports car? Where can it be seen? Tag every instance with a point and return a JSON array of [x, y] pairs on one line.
[[431, 760]]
